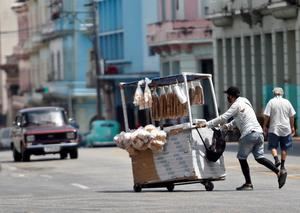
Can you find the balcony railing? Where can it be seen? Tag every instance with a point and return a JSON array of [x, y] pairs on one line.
[[222, 12], [178, 31]]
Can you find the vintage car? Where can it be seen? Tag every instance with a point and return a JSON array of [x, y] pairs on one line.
[[102, 133], [41, 131]]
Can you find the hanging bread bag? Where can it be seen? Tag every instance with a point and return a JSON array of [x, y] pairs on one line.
[[147, 94], [138, 99], [199, 95]]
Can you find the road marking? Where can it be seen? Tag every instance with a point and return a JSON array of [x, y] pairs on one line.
[[21, 175], [46, 176], [11, 168], [79, 186], [294, 176]]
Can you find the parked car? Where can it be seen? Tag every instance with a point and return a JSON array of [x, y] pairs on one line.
[[102, 133], [5, 138], [41, 131]]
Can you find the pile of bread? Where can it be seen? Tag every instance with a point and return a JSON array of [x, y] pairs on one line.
[[148, 137]]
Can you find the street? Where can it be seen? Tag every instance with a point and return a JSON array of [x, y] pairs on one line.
[[100, 180]]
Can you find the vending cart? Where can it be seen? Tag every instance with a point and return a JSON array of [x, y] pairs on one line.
[[170, 150]]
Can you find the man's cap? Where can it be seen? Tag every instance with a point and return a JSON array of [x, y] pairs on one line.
[[234, 91], [278, 91]]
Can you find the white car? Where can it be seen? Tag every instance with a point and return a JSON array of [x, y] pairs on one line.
[[5, 138]]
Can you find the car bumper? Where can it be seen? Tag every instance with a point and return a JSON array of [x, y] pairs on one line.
[[41, 149]]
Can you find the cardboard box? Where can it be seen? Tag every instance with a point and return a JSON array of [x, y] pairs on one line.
[[183, 158]]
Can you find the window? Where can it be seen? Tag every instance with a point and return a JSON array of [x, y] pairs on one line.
[[170, 68], [112, 46], [55, 8], [165, 69], [59, 70], [175, 67], [52, 68]]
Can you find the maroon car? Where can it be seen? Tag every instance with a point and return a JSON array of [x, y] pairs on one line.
[[41, 131]]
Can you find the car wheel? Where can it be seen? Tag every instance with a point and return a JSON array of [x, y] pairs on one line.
[[26, 157], [74, 154], [17, 156], [63, 155]]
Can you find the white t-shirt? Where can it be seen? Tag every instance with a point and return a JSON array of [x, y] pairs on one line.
[[279, 110], [243, 115]]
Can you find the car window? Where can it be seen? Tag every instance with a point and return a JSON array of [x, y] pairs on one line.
[[45, 117]]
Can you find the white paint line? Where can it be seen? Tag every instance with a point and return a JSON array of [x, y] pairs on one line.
[[11, 168], [46, 176], [79, 186], [21, 175]]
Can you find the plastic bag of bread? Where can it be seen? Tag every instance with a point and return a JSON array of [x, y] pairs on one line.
[[142, 134], [139, 144], [199, 95], [176, 107], [170, 103], [138, 99], [162, 103], [192, 92], [180, 94], [159, 135], [155, 106], [150, 128], [156, 145], [118, 139], [147, 94], [123, 140]]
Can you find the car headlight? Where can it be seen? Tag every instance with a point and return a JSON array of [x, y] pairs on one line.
[[30, 138], [71, 135]]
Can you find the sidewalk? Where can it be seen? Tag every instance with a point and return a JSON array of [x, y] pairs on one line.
[[296, 139]]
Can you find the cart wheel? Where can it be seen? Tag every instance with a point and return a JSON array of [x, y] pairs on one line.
[[170, 187], [137, 188], [209, 186]]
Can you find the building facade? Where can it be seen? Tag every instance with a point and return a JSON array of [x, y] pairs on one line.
[[58, 50], [70, 49], [182, 37], [8, 30], [123, 46], [256, 47]]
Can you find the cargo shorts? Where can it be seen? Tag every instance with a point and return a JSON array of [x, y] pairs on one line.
[[251, 143]]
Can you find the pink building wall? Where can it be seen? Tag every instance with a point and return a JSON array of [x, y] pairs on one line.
[[168, 9], [191, 9]]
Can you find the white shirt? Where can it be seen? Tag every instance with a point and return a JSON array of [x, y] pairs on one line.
[[279, 110], [243, 115]]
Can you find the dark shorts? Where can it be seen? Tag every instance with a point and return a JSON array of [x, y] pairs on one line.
[[284, 141]]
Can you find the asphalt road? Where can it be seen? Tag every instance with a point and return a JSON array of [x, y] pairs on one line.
[[101, 181]]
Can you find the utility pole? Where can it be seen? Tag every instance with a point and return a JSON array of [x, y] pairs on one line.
[[93, 4], [0, 44]]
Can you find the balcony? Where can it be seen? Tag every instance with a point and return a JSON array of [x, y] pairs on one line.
[[287, 9], [221, 19], [220, 13], [178, 32]]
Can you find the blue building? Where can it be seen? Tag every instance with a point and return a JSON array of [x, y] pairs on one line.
[[71, 56], [123, 46]]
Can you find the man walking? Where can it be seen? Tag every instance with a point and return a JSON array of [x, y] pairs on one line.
[[279, 117], [251, 140]]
